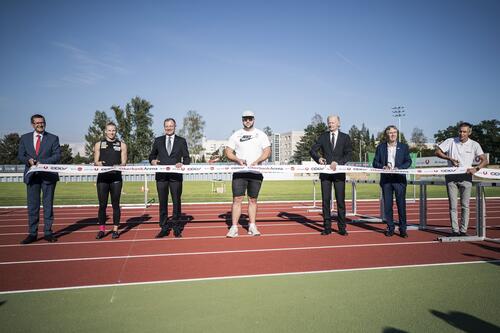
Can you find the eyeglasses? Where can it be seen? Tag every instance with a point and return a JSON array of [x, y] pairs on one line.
[[247, 118]]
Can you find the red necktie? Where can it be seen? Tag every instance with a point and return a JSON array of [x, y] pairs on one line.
[[37, 147]]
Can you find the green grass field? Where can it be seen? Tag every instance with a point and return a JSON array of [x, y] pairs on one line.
[[442, 299], [14, 194]]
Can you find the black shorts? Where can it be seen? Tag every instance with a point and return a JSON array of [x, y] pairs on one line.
[[246, 182]]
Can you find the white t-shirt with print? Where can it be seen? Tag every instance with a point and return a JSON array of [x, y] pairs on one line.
[[248, 145], [464, 153]]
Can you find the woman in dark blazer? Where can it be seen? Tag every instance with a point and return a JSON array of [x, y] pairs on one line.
[[392, 154]]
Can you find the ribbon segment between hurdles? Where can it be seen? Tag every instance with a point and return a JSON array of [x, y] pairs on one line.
[[66, 169]]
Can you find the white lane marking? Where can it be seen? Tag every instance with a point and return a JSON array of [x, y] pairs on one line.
[[140, 256], [233, 277]]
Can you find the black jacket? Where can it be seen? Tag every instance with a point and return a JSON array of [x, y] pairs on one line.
[[179, 154]]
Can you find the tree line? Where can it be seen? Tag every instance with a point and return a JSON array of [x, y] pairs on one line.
[[485, 132], [134, 124], [135, 127]]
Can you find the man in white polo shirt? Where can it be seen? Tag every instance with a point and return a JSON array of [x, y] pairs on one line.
[[461, 152], [248, 146]]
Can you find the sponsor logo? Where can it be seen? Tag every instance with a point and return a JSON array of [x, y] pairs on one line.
[[79, 169], [45, 167], [245, 138]]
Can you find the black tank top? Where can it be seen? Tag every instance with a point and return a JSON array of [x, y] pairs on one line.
[[110, 153]]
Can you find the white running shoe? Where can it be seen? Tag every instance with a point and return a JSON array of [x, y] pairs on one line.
[[252, 230], [233, 232]]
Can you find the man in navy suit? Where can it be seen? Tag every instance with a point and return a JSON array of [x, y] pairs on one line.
[[36, 147], [332, 148], [393, 155], [169, 149]]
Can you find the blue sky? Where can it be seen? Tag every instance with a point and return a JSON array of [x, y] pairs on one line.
[[285, 60]]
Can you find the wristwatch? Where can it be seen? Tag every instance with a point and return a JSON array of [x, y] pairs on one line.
[[477, 168]]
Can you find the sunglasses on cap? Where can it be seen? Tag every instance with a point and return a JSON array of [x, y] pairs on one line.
[[246, 118]]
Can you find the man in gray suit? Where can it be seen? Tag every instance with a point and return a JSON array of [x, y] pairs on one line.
[[36, 147]]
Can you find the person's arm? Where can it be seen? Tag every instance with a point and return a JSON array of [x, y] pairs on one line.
[[482, 163], [264, 156], [347, 151], [232, 156], [154, 154], [406, 158], [377, 160], [123, 153], [313, 152], [22, 154], [55, 153], [439, 153], [186, 159]]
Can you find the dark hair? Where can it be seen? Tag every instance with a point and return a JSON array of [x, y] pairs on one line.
[[36, 116], [389, 128], [169, 119], [465, 124]]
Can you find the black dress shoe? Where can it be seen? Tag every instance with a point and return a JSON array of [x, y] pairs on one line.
[[50, 238], [29, 239], [326, 232], [343, 232], [177, 233], [455, 234], [389, 233], [100, 235], [163, 232], [403, 234], [463, 234], [115, 235]]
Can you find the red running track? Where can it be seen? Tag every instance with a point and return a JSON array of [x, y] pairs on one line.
[[291, 242]]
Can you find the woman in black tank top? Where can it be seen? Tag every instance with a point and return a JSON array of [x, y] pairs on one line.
[[108, 152]]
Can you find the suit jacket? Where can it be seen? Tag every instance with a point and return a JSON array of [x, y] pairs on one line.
[[323, 148], [49, 153], [401, 161], [179, 154]]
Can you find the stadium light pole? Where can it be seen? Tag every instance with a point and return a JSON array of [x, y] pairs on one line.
[[399, 111]]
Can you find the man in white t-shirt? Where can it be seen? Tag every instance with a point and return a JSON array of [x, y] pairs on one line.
[[461, 152], [248, 146]]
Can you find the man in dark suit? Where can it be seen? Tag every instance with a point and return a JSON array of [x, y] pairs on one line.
[[36, 147], [169, 149], [333, 148], [393, 155]]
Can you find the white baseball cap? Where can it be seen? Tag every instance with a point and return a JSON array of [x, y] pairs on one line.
[[248, 113]]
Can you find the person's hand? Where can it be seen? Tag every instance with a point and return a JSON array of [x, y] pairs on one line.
[[333, 166], [386, 167], [241, 162], [454, 162], [178, 165], [155, 162], [32, 162], [98, 163], [472, 171], [322, 161]]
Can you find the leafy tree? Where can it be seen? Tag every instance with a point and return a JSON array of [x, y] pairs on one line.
[[418, 138], [9, 147], [79, 159], [66, 154], [95, 133], [134, 126], [192, 130], [268, 131], [311, 134], [361, 138]]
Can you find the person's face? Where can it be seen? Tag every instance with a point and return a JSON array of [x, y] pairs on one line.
[[333, 124], [392, 135], [110, 132], [248, 122], [38, 125], [169, 127], [464, 133]]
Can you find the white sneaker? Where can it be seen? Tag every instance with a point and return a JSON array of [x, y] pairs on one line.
[[233, 232], [252, 230]]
